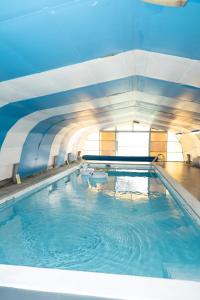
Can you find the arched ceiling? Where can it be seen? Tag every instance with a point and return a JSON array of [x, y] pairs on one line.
[[94, 62]]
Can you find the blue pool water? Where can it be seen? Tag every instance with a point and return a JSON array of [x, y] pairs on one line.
[[127, 225]]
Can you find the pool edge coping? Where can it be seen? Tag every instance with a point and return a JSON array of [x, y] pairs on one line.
[[190, 203], [98, 285]]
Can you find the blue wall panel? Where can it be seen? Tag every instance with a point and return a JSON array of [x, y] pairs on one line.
[[60, 159], [36, 150]]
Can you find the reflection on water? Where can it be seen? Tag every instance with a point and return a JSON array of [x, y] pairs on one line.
[[135, 185], [128, 185]]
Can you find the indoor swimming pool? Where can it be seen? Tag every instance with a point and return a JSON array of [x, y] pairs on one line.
[[127, 224]]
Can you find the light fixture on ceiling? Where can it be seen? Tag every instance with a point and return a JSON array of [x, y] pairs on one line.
[[134, 122], [196, 131], [176, 3]]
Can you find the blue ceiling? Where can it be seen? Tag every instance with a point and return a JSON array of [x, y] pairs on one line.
[[40, 35]]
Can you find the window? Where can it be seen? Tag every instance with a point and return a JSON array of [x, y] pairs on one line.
[[133, 143], [126, 142], [91, 145], [174, 149]]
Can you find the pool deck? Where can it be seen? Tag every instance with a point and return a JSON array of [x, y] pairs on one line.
[[10, 188], [187, 176]]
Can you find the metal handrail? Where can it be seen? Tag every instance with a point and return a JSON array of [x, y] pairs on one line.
[[155, 159]]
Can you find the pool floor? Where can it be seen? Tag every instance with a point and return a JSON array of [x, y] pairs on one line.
[[128, 224]]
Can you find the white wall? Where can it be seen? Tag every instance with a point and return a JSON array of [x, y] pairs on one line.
[[190, 144]]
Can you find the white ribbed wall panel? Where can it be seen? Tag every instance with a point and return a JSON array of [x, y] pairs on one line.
[[130, 63]]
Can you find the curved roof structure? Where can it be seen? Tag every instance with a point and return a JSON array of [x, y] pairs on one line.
[[68, 66]]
